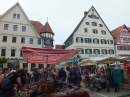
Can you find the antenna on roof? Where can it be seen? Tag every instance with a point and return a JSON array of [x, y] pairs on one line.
[[47, 19], [61, 40]]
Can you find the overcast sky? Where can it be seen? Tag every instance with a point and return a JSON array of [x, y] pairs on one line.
[[64, 15]]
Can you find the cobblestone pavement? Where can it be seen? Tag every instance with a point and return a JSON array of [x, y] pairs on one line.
[[112, 93]]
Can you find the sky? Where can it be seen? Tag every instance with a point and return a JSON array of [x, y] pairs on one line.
[[64, 15]]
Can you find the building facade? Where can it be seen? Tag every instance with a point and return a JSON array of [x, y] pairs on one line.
[[16, 30], [122, 41], [91, 37]]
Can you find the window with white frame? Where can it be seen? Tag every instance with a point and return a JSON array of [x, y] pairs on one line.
[[127, 48], [123, 48], [104, 51], [18, 16], [110, 41], [96, 51], [118, 47], [100, 25], [79, 39], [15, 27], [81, 51], [3, 52], [88, 51], [88, 40], [111, 51], [39, 41], [129, 40], [6, 26], [124, 40], [85, 30], [94, 23], [23, 28], [103, 32], [103, 41], [95, 31], [31, 41], [12, 52], [125, 33], [87, 23], [22, 40], [14, 16], [95, 40]]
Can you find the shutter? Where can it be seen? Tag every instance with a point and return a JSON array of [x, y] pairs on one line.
[[82, 51], [101, 41], [85, 51], [102, 51], [112, 51], [94, 51], [98, 51], [106, 52], [86, 30], [124, 48], [76, 39], [120, 47], [81, 39], [85, 40], [108, 41], [96, 31], [90, 40], [90, 51], [109, 51], [93, 41], [105, 42], [98, 41], [111, 41]]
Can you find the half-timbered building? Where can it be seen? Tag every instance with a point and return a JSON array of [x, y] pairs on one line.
[[122, 41]]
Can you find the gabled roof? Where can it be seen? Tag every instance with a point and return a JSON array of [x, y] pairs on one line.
[[38, 26], [82, 21], [116, 32], [47, 28], [23, 13]]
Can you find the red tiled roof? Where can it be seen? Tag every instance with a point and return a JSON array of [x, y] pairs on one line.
[[116, 33], [38, 26], [47, 28]]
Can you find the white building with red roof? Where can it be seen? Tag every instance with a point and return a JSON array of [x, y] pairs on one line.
[[122, 41], [16, 30], [92, 37]]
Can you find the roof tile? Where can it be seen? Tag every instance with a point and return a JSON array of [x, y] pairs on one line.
[[47, 28], [116, 33], [38, 26]]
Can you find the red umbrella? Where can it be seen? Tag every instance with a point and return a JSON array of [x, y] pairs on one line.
[[47, 55]]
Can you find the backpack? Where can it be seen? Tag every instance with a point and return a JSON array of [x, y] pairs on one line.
[[7, 82]]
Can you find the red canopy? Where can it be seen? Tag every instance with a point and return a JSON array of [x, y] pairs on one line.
[[47, 55]]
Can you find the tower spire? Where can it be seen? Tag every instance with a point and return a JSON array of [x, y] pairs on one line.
[[47, 19]]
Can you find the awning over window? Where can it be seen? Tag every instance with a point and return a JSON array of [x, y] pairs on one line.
[[47, 55]]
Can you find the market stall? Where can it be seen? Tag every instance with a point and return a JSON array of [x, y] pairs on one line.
[[46, 87]]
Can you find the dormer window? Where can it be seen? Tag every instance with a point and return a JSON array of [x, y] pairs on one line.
[[94, 23], [18, 16], [100, 25], [14, 16]]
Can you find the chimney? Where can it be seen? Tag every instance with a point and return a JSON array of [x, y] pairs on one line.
[[85, 12]]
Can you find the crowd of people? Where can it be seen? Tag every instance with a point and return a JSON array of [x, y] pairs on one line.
[[109, 76], [13, 81]]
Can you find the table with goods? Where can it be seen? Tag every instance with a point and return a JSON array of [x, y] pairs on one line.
[[55, 88]]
